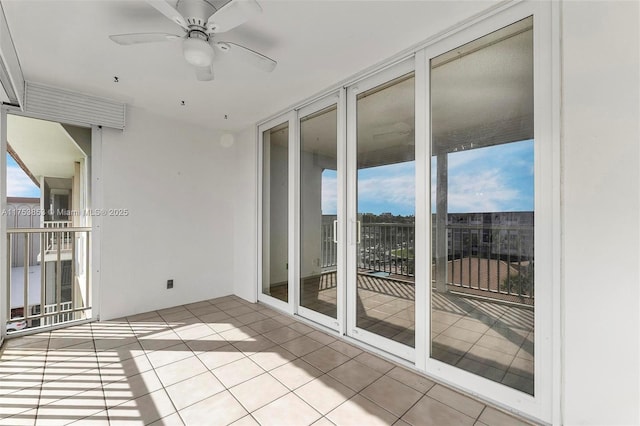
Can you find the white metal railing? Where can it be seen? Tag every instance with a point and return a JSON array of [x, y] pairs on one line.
[[58, 288], [54, 239]]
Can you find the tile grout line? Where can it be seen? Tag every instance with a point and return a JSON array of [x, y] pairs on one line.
[[44, 369]]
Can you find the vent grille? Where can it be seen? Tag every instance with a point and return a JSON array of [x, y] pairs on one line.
[[74, 108]]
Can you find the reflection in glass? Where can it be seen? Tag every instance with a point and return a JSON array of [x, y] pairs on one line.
[[318, 211], [386, 210], [482, 192], [275, 191]]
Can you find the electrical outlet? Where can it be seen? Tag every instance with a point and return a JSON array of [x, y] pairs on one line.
[[169, 284]]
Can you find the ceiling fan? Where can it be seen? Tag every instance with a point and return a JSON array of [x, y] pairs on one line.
[[201, 21]]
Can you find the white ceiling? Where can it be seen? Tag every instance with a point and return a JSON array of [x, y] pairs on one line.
[[316, 43], [43, 146]]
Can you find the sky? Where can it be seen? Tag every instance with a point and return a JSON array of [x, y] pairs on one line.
[[496, 178], [18, 183]]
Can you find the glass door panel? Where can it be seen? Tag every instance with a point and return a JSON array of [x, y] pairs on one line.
[[319, 258], [275, 205], [385, 207], [482, 209]]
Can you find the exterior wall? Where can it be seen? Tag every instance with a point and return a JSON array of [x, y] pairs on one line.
[[177, 182], [601, 212]]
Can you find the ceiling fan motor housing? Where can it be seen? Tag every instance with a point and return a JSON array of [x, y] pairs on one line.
[[196, 12]]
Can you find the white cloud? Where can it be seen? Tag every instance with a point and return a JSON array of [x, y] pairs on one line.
[[329, 194], [19, 184], [398, 191], [485, 191]]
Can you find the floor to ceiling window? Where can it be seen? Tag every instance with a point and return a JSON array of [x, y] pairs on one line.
[[275, 193], [385, 208], [415, 206], [319, 258], [482, 183]]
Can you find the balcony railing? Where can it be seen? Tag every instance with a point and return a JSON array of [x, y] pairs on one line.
[[57, 287], [494, 260]]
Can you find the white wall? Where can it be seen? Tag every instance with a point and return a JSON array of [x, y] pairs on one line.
[[601, 212], [245, 264], [177, 182]]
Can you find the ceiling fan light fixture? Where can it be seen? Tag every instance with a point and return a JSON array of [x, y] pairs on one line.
[[197, 52]]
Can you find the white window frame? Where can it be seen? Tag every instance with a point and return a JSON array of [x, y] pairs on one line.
[[547, 218], [546, 404]]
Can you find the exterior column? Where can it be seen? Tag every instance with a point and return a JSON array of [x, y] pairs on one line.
[[441, 243]]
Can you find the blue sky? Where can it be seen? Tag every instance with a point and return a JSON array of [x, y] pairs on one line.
[[497, 178], [18, 183]]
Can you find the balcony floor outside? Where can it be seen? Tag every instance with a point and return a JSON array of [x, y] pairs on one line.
[[483, 336], [221, 361]]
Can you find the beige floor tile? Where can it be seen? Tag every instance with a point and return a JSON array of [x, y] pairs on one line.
[[466, 405], [67, 410], [180, 370], [214, 318], [221, 409], [325, 358], [289, 410], [254, 345], [171, 420], [302, 345], [145, 409], [492, 417], [237, 372], [238, 333], [321, 337], [206, 343], [18, 402], [272, 358], [195, 389], [224, 325], [114, 371], [193, 331], [26, 418], [411, 379], [221, 356], [428, 411], [169, 355], [157, 341], [251, 317], [324, 393], [355, 375], [258, 392], [374, 362], [391, 395], [323, 421], [281, 335], [345, 348], [133, 387], [301, 328], [246, 421], [360, 411], [295, 374], [266, 325]]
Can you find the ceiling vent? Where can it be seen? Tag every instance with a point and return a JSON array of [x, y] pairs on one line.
[[74, 108]]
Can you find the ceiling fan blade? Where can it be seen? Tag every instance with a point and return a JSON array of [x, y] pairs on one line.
[[232, 14], [170, 12], [204, 73], [128, 39], [246, 56]]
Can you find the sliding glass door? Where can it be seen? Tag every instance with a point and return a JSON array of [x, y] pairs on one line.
[[381, 193], [321, 256], [275, 224]]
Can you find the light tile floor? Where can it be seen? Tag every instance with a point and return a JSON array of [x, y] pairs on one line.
[[217, 362]]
